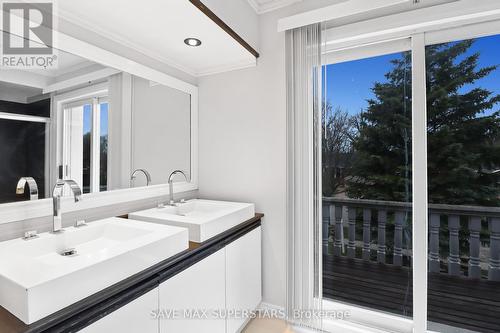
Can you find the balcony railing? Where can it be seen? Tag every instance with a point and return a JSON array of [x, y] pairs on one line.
[[343, 213]]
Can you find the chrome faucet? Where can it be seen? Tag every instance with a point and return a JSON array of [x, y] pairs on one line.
[[171, 202], [33, 187], [56, 198], [145, 172]]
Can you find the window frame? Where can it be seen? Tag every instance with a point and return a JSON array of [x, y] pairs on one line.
[[58, 156], [95, 134], [385, 45]]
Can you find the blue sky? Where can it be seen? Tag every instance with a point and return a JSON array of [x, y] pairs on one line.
[[87, 119], [104, 119], [348, 84]]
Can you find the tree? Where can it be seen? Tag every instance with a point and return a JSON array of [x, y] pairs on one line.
[[337, 150], [382, 163], [463, 132]]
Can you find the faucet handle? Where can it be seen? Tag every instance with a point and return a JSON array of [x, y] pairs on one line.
[[80, 223], [30, 235]]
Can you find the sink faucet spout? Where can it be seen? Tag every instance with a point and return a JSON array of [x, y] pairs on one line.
[[56, 200], [31, 185], [146, 174], [171, 185]]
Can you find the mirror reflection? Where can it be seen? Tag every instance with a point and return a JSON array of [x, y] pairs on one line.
[[101, 127]]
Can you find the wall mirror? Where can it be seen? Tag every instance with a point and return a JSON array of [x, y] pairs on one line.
[[91, 123]]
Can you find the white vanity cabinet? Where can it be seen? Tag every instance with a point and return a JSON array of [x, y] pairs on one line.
[[199, 287], [226, 282], [136, 316], [243, 278]]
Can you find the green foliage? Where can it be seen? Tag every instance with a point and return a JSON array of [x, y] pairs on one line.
[[382, 162], [463, 133], [462, 139]]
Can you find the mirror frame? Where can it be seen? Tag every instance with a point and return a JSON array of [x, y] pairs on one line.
[[23, 210]]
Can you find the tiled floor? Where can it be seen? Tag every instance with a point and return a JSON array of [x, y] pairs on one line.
[[269, 326]]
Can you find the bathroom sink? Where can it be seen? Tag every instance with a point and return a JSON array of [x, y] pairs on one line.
[[43, 275], [204, 218]]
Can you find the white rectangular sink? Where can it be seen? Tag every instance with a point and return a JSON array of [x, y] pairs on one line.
[[204, 218], [36, 280]]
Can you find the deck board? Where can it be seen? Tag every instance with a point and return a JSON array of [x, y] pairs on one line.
[[454, 301]]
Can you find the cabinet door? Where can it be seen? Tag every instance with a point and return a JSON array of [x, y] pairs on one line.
[[243, 277], [137, 316], [185, 296]]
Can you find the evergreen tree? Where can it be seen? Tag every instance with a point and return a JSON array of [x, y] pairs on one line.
[[382, 162], [463, 133]]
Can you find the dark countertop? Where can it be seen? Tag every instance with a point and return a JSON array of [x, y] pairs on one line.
[[83, 313]]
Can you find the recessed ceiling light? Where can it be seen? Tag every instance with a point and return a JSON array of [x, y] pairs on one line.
[[192, 41]]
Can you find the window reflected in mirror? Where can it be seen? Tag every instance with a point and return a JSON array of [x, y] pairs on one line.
[[85, 143]]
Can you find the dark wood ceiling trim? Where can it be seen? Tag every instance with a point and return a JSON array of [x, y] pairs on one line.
[[198, 4]]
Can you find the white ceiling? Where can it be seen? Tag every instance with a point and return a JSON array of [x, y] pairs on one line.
[[17, 93], [69, 66], [66, 63], [264, 6], [158, 29]]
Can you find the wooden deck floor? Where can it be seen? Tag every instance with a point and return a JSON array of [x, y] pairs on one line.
[[458, 302]]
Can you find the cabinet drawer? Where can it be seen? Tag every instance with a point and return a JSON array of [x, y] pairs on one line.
[[243, 277], [199, 287]]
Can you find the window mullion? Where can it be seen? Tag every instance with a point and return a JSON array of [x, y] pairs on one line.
[[95, 147], [419, 183]]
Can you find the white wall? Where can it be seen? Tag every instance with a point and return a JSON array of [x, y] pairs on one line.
[[243, 142], [16, 93], [242, 156]]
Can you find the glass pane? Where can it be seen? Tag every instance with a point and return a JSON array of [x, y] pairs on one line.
[[87, 144], [367, 183], [103, 167], [22, 154], [463, 92]]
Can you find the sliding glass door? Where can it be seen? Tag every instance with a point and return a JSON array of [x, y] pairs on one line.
[[463, 153], [367, 170], [408, 127], [367, 182]]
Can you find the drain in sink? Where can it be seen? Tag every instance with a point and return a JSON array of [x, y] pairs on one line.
[[69, 252]]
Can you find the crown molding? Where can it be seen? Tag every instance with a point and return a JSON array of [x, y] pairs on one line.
[[271, 5], [255, 5]]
